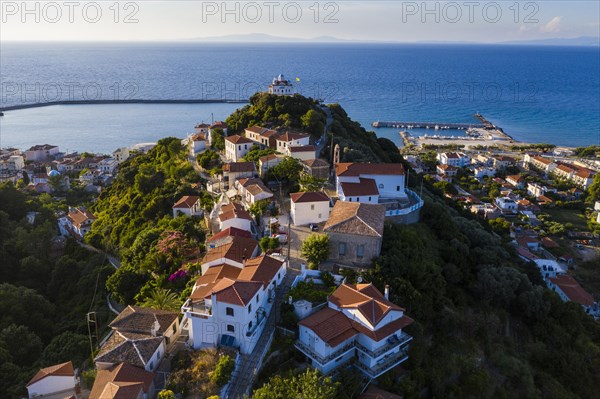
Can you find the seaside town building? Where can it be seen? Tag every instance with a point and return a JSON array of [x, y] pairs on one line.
[[309, 207], [358, 323], [541, 163], [456, 159], [79, 221], [123, 381], [232, 215], [238, 170], [355, 233], [252, 190], [269, 161], [41, 153], [57, 381], [141, 337], [569, 290], [316, 167], [188, 205], [236, 147], [302, 153], [280, 86], [230, 302]]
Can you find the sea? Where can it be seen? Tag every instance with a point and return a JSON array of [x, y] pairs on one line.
[[535, 93]]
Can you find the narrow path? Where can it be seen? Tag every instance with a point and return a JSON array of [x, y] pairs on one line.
[[114, 261], [250, 365]]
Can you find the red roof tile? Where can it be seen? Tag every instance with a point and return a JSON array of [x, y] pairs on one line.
[[573, 290], [63, 369], [309, 196], [357, 169]]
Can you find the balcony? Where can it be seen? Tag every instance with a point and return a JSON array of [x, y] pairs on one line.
[[391, 343], [197, 308], [323, 360], [386, 364], [261, 315]]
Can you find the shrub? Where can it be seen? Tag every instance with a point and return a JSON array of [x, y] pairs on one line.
[[223, 371]]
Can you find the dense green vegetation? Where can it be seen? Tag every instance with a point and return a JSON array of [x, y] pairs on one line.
[[46, 289], [135, 221], [487, 315], [309, 384], [289, 112]]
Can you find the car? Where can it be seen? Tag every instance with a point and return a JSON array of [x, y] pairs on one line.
[[314, 227]]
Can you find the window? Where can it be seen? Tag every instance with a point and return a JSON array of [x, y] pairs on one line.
[[397, 188], [229, 311], [175, 327], [239, 147], [151, 365], [342, 248], [250, 325], [257, 298], [319, 216], [158, 354], [230, 328], [312, 207], [369, 199], [245, 146], [349, 199], [249, 308], [381, 186], [360, 250]]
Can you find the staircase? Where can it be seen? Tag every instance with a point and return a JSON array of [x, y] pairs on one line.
[[250, 364]]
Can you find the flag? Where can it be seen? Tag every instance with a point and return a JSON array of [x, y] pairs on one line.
[[297, 79]]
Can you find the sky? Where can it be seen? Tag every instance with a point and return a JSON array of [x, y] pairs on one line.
[[402, 21]]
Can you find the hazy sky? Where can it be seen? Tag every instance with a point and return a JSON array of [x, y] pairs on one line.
[[484, 21]]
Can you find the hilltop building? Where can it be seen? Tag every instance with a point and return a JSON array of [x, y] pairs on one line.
[[280, 86], [358, 323]]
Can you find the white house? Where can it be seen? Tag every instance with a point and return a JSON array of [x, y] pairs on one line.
[[480, 172], [280, 86], [506, 204], [198, 143], [187, 205], [55, 381], [141, 337], [234, 215], [457, 159], [388, 180], [230, 304], [40, 153], [309, 207], [80, 221], [268, 161], [108, 165], [569, 290], [517, 181], [261, 136], [536, 190], [301, 152], [252, 190], [121, 154], [359, 323], [236, 147], [291, 139], [545, 164]]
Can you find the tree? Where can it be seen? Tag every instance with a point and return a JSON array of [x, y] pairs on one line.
[[66, 346], [166, 394], [23, 344], [259, 207], [315, 249], [223, 370], [26, 178], [124, 284], [309, 182], [217, 139], [161, 298], [268, 243], [308, 385], [288, 169]]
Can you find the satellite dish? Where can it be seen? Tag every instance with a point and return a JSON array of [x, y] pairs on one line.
[[359, 279]]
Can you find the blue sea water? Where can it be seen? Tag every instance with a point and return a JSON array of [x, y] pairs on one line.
[[537, 94]]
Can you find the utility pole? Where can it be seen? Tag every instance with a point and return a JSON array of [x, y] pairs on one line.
[[91, 318]]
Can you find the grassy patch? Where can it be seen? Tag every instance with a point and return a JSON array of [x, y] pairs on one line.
[[588, 275], [573, 216]]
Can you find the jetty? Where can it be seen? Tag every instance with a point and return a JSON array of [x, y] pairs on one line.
[[131, 101], [428, 125]]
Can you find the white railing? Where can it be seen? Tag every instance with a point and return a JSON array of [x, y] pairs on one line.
[[197, 308], [405, 211]]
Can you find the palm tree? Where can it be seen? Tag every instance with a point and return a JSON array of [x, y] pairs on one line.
[[161, 298]]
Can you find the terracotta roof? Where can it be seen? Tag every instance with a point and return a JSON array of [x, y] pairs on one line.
[[302, 148], [374, 392], [315, 163], [239, 167], [289, 136], [309, 196], [363, 187], [262, 268], [269, 157], [132, 348], [515, 178], [215, 273], [330, 325], [234, 210], [584, 173], [543, 160], [229, 232], [141, 320], [356, 218], [524, 252], [452, 155], [366, 298], [357, 169], [78, 216], [548, 242], [573, 290], [525, 240], [565, 168], [230, 291], [63, 369], [234, 250], [202, 126], [237, 139], [120, 375], [219, 125], [447, 167], [386, 330], [187, 201], [254, 186]]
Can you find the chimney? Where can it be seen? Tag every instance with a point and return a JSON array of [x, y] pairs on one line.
[[213, 299], [386, 293]]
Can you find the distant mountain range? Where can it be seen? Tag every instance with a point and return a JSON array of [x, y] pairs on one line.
[[266, 38]]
